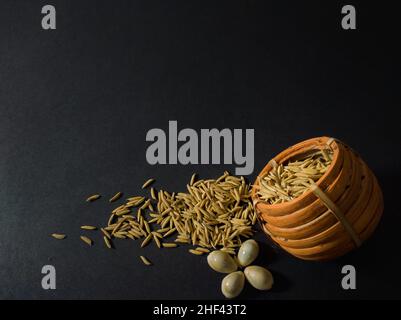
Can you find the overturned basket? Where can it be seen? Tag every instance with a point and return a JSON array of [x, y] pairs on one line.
[[338, 213]]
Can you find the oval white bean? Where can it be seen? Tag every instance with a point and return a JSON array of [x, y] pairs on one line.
[[221, 261], [232, 284], [260, 278], [248, 252]]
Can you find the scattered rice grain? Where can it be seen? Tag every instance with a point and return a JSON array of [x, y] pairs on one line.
[[148, 183], [86, 240], [146, 261], [59, 236], [93, 198], [116, 197]]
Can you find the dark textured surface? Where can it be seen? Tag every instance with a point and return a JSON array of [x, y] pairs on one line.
[[76, 103]]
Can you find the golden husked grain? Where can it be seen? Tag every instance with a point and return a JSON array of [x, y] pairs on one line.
[[169, 245], [110, 221], [129, 235], [193, 178], [254, 218], [148, 183], [88, 227], [129, 205], [116, 197], [163, 230], [147, 240], [135, 233], [157, 234], [181, 240], [156, 240], [153, 220], [119, 208], [228, 250], [212, 213], [134, 201], [93, 198], [110, 227], [86, 240], [287, 181], [153, 193], [146, 261], [119, 235], [136, 198], [58, 236], [107, 242], [122, 212], [196, 252], [141, 222], [166, 211], [145, 205], [106, 234], [146, 224], [168, 233], [164, 222]]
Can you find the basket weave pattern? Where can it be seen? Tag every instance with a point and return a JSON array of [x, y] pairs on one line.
[[335, 216]]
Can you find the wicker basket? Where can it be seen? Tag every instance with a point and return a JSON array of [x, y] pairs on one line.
[[335, 216]]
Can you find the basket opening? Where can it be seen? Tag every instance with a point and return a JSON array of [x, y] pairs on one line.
[[294, 176], [308, 153]]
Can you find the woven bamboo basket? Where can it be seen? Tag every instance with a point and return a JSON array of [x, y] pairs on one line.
[[339, 212]]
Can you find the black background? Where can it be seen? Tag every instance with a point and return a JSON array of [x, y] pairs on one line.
[[77, 102]]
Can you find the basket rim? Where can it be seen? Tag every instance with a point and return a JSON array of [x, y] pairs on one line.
[[285, 155]]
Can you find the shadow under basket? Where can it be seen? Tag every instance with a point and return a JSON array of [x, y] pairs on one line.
[[336, 215]]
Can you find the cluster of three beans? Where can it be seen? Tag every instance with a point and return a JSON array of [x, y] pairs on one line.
[[232, 284]]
